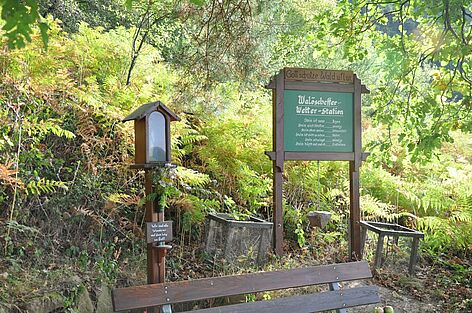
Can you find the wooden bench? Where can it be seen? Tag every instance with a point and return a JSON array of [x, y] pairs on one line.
[[165, 294]]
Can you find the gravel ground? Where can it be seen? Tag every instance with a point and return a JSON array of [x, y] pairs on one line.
[[400, 303]]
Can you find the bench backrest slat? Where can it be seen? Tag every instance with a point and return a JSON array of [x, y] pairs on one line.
[[317, 302], [183, 291]]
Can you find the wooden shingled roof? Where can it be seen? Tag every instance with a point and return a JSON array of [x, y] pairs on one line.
[[147, 108]]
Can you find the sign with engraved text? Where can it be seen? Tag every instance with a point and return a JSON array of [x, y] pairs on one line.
[[159, 231], [318, 121], [317, 75]]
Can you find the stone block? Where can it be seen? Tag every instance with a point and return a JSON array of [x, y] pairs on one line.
[[319, 218]]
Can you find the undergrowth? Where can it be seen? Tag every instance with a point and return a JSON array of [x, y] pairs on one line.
[[70, 204]]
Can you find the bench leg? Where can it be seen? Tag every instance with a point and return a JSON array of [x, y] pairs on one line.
[[378, 251], [333, 287], [413, 255]]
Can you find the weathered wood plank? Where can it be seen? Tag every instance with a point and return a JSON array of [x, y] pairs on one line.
[[278, 166], [337, 156], [174, 292], [318, 75], [317, 302], [321, 156], [319, 86]]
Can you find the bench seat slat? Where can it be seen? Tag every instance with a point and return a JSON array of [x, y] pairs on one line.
[[183, 291], [317, 302]]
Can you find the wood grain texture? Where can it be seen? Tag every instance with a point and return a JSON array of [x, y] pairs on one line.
[[322, 156], [318, 302], [318, 75], [183, 291], [319, 87], [140, 141], [278, 164]]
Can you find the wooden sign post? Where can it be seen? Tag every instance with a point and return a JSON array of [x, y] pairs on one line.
[[317, 116], [152, 151]]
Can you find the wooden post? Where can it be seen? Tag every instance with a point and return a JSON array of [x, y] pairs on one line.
[[152, 119], [278, 211], [413, 255], [156, 254], [278, 163], [378, 251], [161, 249], [355, 207], [354, 216], [152, 253]]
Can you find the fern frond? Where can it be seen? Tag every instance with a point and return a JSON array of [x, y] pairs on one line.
[[20, 227], [192, 178], [122, 198], [8, 175], [85, 125], [374, 209], [49, 126], [42, 186], [431, 224], [462, 216]]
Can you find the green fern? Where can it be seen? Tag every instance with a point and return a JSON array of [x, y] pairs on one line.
[[374, 209], [191, 177], [42, 128], [184, 137], [463, 216], [42, 186], [445, 234]]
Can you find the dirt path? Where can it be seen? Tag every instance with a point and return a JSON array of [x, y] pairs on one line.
[[400, 303]]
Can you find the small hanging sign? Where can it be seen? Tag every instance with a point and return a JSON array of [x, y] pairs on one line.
[[159, 231]]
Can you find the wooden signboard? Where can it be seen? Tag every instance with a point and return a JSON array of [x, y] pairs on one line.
[[317, 75], [317, 116], [159, 232], [318, 121]]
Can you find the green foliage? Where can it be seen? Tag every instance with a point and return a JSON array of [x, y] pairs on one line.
[[71, 298], [233, 152], [64, 154], [426, 60], [191, 178], [447, 234], [198, 2], [437, 192], [373, 209], [295, 223], [107, 263], [19, 17], [42, 186], [97, 13], [185, 136]]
